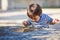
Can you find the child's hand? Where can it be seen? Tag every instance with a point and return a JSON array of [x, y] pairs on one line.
[[55, 21], [25, 23]]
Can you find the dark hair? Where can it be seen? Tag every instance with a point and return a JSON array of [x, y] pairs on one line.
[[38, 10]]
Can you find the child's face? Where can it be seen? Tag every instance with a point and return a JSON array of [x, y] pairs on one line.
[[34, 18], [32, 13]]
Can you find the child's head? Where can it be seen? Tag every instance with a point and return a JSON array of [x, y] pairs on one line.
[[34, 11]]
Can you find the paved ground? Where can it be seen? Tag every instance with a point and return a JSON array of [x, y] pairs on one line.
[[11, 18]]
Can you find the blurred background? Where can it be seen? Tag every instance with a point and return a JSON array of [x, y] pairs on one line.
[[14, 11], [22, 4]]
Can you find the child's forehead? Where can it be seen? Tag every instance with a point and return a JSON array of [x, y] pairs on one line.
[[30, 14]]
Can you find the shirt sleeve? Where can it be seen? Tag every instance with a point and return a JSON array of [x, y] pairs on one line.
[[49, 19], [28, 22]]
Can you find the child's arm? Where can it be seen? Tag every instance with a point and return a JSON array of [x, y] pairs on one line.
[[54, 21]]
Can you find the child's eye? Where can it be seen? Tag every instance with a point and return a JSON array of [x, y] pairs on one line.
[[31, 10], [34, 18]]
